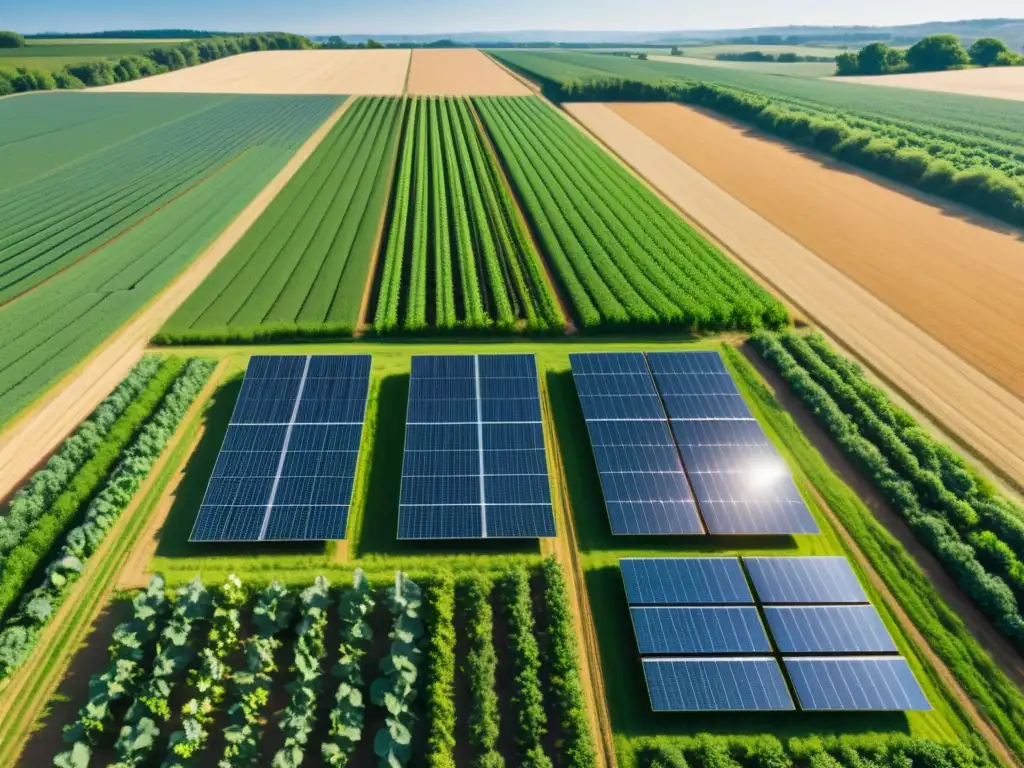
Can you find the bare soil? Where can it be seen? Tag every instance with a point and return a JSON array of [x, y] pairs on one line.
[[38, 431], [995, 82], [790, 219], [460, 72], [360, 72]]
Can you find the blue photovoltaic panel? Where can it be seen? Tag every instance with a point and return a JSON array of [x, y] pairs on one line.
[[716, 685], [642, 478], [742, 485], [855, 683], [475, 461], [685, 581], [286, 468], [829, 629], [699, 630], [804, 580]]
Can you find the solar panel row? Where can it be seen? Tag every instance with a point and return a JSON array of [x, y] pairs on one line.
[[286, 468], [701, 608], [678, 451], [475, 463]]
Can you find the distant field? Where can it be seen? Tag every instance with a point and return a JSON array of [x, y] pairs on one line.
[[710, 51], [795, 69], [304, 263], [105, 198], [54, 55], [996, 83], [287, 73], [459, 73]]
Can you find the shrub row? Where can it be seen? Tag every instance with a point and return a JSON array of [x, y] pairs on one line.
[[481, 668], [565, 689], [987, 189], [153, 62], [33, 499], [20, 632], [278, 333], [441, 673], [527, 699], [24, 559], [931, 512], [881, 751]]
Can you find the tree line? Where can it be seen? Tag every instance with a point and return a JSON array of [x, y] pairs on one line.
[[782, 58], [935, 53], [166, 58]]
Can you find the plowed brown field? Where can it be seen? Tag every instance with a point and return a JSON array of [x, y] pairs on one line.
[[873, 266], [460, 72], [350, 73]]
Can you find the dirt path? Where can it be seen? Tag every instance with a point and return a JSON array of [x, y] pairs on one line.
[[26, 695], [459, 72], [965, 402], [994, 643], [567, 552], [995, 82], [30, 437], [347, 72]]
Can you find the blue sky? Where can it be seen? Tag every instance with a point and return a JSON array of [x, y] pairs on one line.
[[435, 16]]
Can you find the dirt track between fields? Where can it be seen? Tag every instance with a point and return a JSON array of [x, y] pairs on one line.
[[460, 72], [37, 432], [373, 72], [994, 82], [853, 255]]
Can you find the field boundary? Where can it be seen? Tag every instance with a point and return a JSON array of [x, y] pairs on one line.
[[37, 430], [72, 623]]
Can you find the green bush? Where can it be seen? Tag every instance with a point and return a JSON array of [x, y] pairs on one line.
[[441, 673], [11, 40], [481, 669]]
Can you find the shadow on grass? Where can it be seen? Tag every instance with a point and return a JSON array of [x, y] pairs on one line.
[[593, 530], [629, 701], [173, 536], [378, 532]]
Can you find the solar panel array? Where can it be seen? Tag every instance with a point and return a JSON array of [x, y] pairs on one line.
[[286, 469], [704, 646], [678, 451], [475, 463]]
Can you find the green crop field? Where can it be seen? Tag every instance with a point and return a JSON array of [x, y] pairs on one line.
[[457, 252], [54, 55], [94, 229], [302, 268], [620, 255]]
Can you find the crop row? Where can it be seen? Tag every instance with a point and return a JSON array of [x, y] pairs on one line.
[[301, 269], [976, 535], [117, 232], [193, 656], [97, 493], [457, 253], [621, 255]]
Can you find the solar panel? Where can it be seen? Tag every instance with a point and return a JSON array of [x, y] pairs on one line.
[[475, 463], [741, 484], [641, 474], [699, 630], [286, 468], [855, 683], [829, 629], [685, 581], [716, 685], [804, 580]]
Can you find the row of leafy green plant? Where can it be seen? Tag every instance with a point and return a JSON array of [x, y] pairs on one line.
[[927, 159], [300, 272], [160, 59], [878, 751], [107, 481], [620, 254], [998, 698], [976, 535], [190, 645], [457, 254]]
